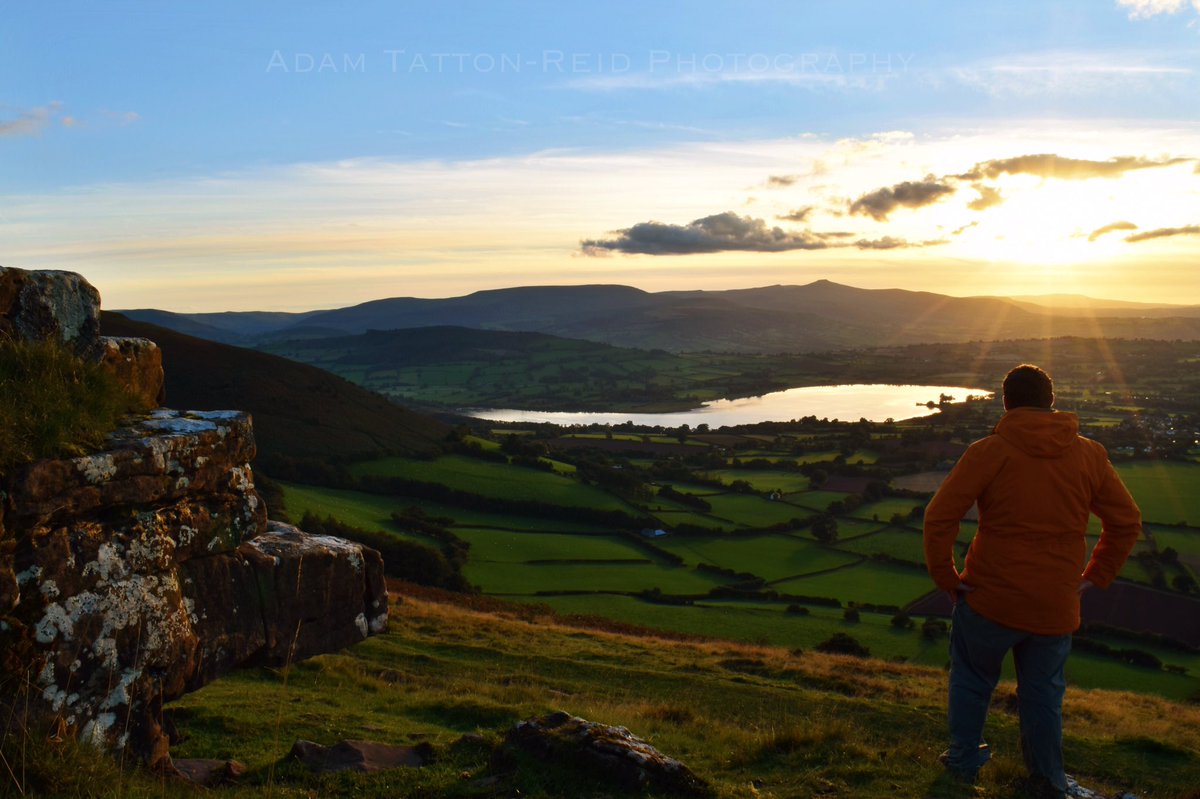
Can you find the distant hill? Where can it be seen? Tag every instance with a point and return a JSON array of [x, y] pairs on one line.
[[819, 316], [299, 410], [461, 367], [1079, 305]]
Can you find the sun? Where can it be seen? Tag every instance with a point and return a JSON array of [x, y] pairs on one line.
[[1048, 223]]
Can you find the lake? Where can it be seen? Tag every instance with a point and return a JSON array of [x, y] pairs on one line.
[[876, 402]]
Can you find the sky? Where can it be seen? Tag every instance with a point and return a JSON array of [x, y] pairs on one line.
[[300, 155]]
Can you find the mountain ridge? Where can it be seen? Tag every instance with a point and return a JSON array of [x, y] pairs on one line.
[[822, 315]]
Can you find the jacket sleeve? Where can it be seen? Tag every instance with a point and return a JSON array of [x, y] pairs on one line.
[[1121, 523], [966, 481]]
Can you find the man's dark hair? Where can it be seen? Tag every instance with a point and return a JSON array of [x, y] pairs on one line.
[[1027, 386]]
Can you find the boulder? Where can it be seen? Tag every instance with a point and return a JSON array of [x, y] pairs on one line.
[[209, 773], [613, 754], [131, 576], [163, 457], [49, 305], [362, 756], [137, 365]]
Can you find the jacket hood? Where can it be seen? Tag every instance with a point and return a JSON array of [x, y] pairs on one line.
[[1037, 432]]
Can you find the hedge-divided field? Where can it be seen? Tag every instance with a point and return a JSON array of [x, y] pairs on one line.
[[581, 567]]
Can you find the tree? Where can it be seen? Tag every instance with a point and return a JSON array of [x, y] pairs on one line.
[[843, 644], [851, 615], [902, 621], [825, 528], [1183, 583], [934, 629]]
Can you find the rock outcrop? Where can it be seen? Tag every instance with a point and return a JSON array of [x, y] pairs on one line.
[[49, 305], [613, 754], [135, 574]]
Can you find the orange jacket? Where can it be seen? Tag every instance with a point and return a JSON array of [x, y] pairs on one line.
[[1036, 480]]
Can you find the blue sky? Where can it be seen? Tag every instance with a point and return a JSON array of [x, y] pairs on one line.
[[227, 155]]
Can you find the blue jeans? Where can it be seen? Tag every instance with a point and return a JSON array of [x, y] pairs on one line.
[[977, 650]]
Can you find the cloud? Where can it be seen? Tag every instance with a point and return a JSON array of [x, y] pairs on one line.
[[1100, 231], [1165, 232], [1048, 165], [716, 233], [1144, 9], [30, 122], [988, 197], [781, 181], [893, 243], [122, 117], [796, 214], [964, 228], [910, 194]]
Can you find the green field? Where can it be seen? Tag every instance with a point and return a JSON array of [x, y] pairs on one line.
[[504, 546], [1167, 492], [368, 511], [772, 557], [529, 579], [490, 479], [751, 510], [904, 544], [373, 511], [763, 480], [871, 582], [815, 500], [885, 509]]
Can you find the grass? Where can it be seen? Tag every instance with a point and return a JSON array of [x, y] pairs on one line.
[[497, 480], [876, 583], [529, 579], [1165, 491], [752, 720], [904, 544], [771, 557], [504, 546], [751, 510], [373, 512], [55, 404], [763, 480]]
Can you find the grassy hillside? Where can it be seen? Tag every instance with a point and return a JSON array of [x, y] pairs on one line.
[[299, 410], [459, 367], [755, 721]]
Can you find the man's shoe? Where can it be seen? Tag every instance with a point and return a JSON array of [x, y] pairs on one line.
[[968, 775], [1042, 788]]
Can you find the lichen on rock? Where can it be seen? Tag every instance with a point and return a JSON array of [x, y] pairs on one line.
[[132, 575]]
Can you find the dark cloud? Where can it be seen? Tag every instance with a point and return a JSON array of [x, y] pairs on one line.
[[1164, 232], [893, 243], [716, 233], [1100, 231], [988, 197], [796, 214], [781, 181], [834, 234], [909, 194], [1048, 165]]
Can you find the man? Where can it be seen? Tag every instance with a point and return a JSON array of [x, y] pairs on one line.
[[1035, 480]]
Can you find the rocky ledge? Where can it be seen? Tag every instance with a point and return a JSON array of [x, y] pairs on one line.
[[133, 575]]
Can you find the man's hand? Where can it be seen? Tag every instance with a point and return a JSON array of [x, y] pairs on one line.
[[963, 588], [1085, 585]]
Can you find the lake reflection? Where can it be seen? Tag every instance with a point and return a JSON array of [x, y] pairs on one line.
[[876, 402]]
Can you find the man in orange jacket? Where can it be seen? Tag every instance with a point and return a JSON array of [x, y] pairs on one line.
[[1035, 480]]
